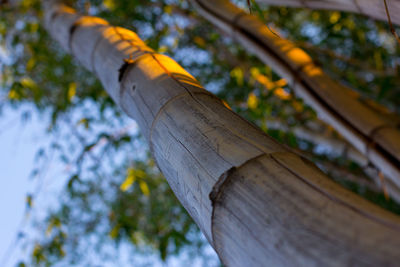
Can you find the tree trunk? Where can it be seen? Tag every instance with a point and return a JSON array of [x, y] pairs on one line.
[[337, 105], [371, 8], [257, 203]]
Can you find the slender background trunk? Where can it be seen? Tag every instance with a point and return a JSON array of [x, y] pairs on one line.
[[371, 8]]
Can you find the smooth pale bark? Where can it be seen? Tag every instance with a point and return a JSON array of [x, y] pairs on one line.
[[337, 105], [256, 202], [371, 8]]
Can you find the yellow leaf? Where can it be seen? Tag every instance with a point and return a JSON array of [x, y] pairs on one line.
[[29, 201], [199, 41], [137, 237], [57, 223], [226, 104], [162, 49], [168, 9], [298, 106], [83, 121], [315, 15], [62, 252], [252, 101], [335, 16], [71, 90], [54, 222], [337, 28], [27, 82], [254, 72], [27, 3], [264, 80], [30, 64], [34, 27], [109, 4], [139, 173], [350, 24], [38, 251], [12, 94], [129, 180], [114, 232], [237, 73], [145, 189], [282, 94], [280, 83]]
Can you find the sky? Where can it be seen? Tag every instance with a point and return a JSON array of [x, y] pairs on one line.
[[19, 143]]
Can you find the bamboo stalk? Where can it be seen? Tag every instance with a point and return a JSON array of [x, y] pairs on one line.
[[337, 105], [256, 202], [370, 8]]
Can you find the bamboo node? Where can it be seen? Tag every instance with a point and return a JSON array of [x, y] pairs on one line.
[[72, 30], [129, 62], [216, 189], [371, 136], [236, 19]]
